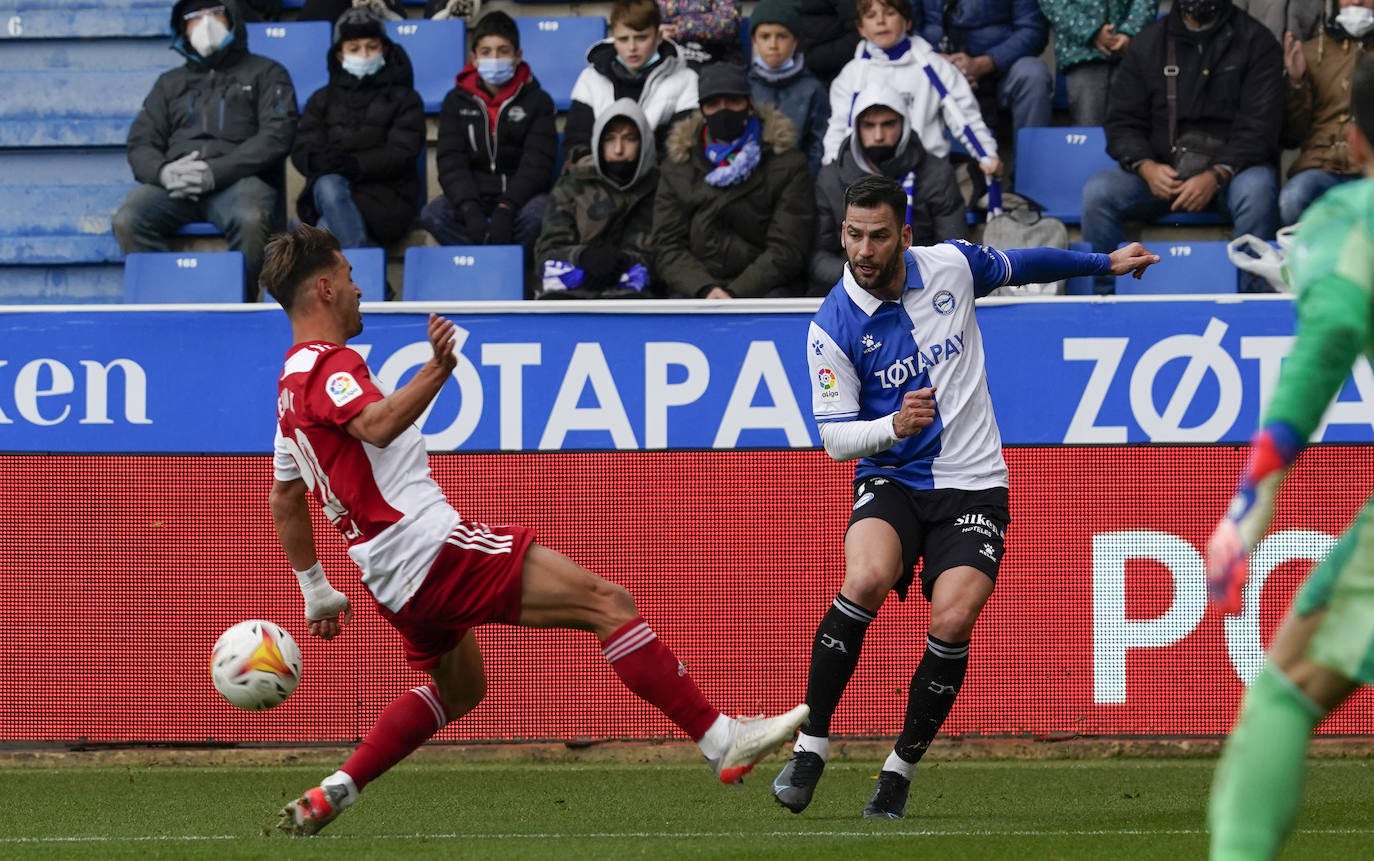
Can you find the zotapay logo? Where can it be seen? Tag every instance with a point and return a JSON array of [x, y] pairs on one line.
[[927, 357]]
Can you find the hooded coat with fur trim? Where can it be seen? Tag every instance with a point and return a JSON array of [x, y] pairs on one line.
[[752, 238], [380, 121], [236, 108]]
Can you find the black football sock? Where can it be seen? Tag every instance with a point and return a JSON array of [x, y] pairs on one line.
[[934, 686], [834, 655]]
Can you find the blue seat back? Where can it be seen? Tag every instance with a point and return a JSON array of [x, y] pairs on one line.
[[208, 276], [369, 272], [1053, 164], [556, 49], [447, 273], [1185, 267], [58, 204], [82, 19], [437, 49], [301, 46]]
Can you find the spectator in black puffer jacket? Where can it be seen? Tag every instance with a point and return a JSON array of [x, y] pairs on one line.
[[360, 138], [210, 143], [496, 148]]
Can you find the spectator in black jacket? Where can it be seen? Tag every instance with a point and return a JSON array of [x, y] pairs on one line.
[[496, 148], [360, 138], [1229, 114], [210, 143], [829, 35]]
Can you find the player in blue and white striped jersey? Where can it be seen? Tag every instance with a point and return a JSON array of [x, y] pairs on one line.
[[898, 382]]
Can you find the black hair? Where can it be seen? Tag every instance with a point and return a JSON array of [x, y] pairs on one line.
[[293, 257], [876, 190], [495, 23]]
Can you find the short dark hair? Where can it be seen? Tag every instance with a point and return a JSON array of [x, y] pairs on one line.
[[876, 190], [293, 257], [636, 14], [901, 7], [1362, 98], [496, 23]]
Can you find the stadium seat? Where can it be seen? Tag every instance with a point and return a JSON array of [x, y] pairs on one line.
[[446, 273], [58, 204], [1052, 165], [85, 19], [100, 283], [301, 46], [369, 272], [207, 276], [556, 49], [437, 49], [746, 41], [76, 92], [1184, 267]]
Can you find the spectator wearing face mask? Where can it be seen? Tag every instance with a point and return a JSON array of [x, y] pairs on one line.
[[360, 138], [211, 140], [497, 145], [1316, 115], [735, 210], [596, 242]]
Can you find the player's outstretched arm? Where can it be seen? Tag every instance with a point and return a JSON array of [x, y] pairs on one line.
[[382, 421], [1272, 451], [326, 609], [852, 440], [1133, 259]]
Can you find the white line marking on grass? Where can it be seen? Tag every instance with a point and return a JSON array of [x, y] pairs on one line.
[[678, 835]]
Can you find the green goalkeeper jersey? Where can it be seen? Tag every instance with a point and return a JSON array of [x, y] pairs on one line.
[[1331, 268]]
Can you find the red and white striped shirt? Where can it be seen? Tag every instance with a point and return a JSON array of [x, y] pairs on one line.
[[391, 512]]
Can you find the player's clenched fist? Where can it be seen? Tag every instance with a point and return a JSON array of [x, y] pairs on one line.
[[916, 414]]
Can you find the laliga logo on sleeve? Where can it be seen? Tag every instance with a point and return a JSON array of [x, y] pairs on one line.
[[828, 382], [342, 388]]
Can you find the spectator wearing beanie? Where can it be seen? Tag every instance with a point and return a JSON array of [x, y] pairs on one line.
[[778, 76]]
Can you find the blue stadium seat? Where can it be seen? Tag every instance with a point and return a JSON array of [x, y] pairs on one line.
[[301, 46], [556, 49], [437, 49], [464, 272], [369, 272], [1052, 165], [76, 92], [58, 204], [746, 41], [1185, 267], [82, 19], [207, 276], [99, 283]]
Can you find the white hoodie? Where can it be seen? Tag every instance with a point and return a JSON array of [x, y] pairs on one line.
[[927, 114]]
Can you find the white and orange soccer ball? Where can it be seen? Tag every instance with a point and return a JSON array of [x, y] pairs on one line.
[[255, 665]]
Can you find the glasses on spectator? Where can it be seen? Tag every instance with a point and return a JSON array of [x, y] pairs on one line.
[[201, 13]]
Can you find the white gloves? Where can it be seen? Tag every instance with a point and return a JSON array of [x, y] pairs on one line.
[[187, 176]]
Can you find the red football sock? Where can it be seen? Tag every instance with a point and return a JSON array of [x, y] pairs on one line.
[[653, 672], [408, 722]]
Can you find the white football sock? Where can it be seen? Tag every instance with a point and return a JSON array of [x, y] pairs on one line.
[[899, 765], [717, 738], [340, 778], [813, 744]]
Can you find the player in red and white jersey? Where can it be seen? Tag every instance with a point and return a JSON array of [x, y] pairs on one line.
[[433, 574]]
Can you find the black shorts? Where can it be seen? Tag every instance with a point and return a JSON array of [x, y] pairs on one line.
[[945, 528]]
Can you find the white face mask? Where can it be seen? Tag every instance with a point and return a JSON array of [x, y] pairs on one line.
[[207, 35], [361, 67], [1355, 20]]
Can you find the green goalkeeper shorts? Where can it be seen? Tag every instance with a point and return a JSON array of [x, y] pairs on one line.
[[1343, 585]]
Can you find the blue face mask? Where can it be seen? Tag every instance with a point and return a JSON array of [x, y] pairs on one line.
[[647, 63], [361, 67], [496, 70]]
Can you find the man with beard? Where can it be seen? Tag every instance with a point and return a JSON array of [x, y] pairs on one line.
[[882, 143], [898, 382]]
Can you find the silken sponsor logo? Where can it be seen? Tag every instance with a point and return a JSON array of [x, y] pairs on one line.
[[588, 398], [1115, 635], [46, 391], [1202, 372]]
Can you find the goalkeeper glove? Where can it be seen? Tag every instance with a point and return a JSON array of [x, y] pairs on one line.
[[1272, 451]]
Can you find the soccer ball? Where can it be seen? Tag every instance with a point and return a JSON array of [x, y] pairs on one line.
[[255, 665]]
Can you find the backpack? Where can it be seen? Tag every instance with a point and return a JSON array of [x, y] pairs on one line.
[[1021, 223]]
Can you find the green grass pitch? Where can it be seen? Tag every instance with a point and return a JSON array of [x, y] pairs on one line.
[[960, 809]]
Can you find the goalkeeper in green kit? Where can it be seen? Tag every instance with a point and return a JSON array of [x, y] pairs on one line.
[[1324, 649]]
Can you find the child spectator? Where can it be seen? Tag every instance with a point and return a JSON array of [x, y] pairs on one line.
[[360, 137], [596, 238], [779, 76], [635, 63], [496, 148], [1089, 39], [891, 54], [706, 31]]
